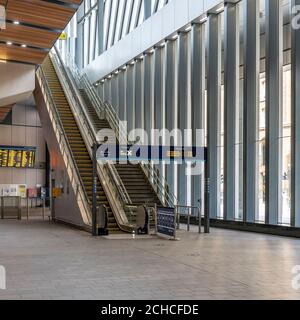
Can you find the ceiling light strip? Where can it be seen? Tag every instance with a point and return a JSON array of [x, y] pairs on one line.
[[22, 45]]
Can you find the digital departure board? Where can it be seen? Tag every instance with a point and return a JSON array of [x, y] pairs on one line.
[[17, 157]]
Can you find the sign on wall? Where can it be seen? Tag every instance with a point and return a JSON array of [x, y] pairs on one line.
[[17, 157], [63, 36], [166, 221]]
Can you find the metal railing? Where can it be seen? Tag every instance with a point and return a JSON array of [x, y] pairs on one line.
[[82, 83], [113, 185], [187, 212], [70, 163], [159, 184]]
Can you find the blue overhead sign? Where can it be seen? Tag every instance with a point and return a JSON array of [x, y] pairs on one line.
[[137, 153]]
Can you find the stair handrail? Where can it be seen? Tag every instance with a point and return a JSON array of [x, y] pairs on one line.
[[100, 107], [158, 183], [76, 101], [112, 171], [43, 82]]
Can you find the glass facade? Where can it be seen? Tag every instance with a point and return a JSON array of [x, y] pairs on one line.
[[102, 23], [121, 17]]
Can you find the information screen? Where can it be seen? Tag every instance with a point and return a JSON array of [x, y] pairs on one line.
[[166, 221], [17, 157]]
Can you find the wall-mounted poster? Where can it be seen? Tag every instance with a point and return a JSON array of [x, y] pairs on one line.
[[32, 193], [17, 157], [22, 190]]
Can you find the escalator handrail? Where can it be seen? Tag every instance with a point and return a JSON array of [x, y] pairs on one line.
[[114, 176], [124, 197], [167, 195], [63, 133], [157, 182]]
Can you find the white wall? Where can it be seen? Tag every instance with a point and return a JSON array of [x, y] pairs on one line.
[[25, 131], [175, 15], [17, 81]]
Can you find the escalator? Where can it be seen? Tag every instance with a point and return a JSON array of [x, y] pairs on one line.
[[135, 181], [76, 142]]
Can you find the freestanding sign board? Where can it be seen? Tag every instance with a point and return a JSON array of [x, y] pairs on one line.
[[166, 222]]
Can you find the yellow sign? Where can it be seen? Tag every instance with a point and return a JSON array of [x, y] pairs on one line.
[[56, 192], [22, 190], [63, 36]]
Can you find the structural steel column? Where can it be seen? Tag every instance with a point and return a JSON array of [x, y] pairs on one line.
[[171, 102], [139, 94], [147, 9], [295, 174], [130, 97], [100, 91], [159, 99], [274, 101], [213, 113], [114, 93], [149, 94], [122, 95], [107, 90], [198, 101], [231, 112], [251, 104], [184, 109], [100, 24], [79, 39]]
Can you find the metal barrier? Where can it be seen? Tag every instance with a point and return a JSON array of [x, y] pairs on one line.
[[43, 200], [14, 202], [188, 212]]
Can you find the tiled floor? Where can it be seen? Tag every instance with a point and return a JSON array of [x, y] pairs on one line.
[[48, 261]]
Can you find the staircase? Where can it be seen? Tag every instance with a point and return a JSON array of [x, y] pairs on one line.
[[76, 142], [136, 183]]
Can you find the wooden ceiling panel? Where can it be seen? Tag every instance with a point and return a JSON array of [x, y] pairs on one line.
[[72, 1], [29, 36], [39, 25], [39, 13], [4, 111], [18, 54]]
